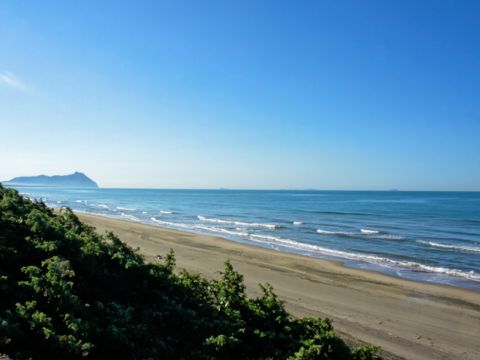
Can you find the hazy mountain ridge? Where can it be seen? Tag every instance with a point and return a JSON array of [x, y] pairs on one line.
[[77, 179]]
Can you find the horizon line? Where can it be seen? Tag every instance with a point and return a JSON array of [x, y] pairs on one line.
[[242, 189]]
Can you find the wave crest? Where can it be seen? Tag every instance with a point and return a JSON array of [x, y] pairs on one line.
[[474, 249], [238, 223], [129, 217], [369, 232], [125, 208], [333, 232]]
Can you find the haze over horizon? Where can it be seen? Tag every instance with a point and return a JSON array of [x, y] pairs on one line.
[[271, 95]]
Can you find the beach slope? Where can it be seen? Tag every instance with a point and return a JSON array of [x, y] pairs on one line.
[[407, 319]]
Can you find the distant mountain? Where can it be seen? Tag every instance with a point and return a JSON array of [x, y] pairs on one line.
[[76, 179]]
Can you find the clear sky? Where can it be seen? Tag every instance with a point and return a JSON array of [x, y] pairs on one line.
[[243, 94]]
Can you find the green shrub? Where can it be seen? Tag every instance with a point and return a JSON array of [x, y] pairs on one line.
[[70, 293]]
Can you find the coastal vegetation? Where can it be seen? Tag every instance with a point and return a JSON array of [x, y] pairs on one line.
[[67, 292]]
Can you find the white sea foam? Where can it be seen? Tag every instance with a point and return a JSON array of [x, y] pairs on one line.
[[125, 208], [474, 249], [171, 224], [194, 227], [238, 223], [198, 227], [297, 223], [369, 232], [166, 212], [158, 221], [389, 237], [103, 206], [315, 249], [265, 237], [221, 230], [372, 259], [332, 232], [129, 217]]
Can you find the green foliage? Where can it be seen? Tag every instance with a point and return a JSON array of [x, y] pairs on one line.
[[70, 293], [366, 352]]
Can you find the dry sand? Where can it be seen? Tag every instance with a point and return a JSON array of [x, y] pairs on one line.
[[407, 319]]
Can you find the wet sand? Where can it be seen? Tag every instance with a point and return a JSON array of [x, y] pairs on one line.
[[408, 319]]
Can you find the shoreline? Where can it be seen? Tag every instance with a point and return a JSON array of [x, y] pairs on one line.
[[408, 319], [344, 262]]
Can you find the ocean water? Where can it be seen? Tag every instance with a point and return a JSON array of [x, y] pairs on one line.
[[425, 236]]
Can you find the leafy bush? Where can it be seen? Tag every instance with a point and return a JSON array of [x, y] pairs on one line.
[[70, 293]]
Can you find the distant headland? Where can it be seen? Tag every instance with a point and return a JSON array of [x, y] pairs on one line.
[[77, 179]]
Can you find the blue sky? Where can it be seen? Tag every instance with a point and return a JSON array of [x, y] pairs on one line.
[[243, 94]]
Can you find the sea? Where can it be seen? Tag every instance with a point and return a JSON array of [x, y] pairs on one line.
[[425, 236]]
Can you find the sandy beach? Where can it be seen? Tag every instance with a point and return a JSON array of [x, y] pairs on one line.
[[407, 319]]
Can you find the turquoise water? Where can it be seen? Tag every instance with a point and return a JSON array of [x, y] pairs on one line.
[[426, 236]]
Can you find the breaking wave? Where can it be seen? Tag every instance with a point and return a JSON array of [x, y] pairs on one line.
[[474, 249], [369, 232], [221, 230], [125, 208], [372, 259], [199, 227], [171, 224], [332, 232], [238, 223], [129, 217], [389, 237]]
